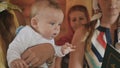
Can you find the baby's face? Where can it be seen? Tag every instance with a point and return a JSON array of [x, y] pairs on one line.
[[49, 22]]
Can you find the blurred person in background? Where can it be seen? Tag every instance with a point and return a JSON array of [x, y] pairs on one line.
[[25, 5], [10, 19], [78, 17], [100, 34]]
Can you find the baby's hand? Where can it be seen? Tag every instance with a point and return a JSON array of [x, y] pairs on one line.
[[67, 48], [18, 63]]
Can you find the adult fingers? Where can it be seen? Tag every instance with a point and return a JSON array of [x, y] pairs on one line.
[[29, 59], [24, 64], [26, 54], [17, 65], [13, 66], [36, 62]]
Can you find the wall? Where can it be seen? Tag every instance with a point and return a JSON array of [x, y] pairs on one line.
[[87, 3]]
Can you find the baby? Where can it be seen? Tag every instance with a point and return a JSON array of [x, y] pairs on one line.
[[44, 27]]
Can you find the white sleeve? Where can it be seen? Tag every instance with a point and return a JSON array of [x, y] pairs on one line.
[[17, 47], [58, 51]]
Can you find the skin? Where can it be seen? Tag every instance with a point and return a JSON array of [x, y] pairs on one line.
[[77, 20], [34, 55], [33, 59], [76, 40], [39, 24], [109, 17], [52, 23], [110, 12], [26, 5], [79, 24]]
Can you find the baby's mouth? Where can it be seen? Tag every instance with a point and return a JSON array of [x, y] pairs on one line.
[[54, 34]]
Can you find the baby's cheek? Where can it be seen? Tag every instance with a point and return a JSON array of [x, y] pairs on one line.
[[57, 34]]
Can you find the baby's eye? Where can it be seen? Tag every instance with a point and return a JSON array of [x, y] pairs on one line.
[[59, 24], [52, 23]]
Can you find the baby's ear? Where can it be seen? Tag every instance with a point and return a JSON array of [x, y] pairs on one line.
[[34, 22]]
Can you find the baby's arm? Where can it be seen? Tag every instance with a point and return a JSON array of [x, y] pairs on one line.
[[61, 51], [18, 63]]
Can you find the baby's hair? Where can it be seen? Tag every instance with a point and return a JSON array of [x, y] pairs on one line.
[[41, 4]]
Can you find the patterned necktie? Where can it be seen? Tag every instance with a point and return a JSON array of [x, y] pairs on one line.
[[101, 40]]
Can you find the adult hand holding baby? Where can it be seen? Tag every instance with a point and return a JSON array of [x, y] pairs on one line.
[[37, 55]]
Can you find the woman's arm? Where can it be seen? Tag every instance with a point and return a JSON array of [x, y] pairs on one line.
[[58, 61], [77, 56], [37, 55]]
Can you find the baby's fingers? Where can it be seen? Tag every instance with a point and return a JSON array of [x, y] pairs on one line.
[[71, 46], [72, 49]]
